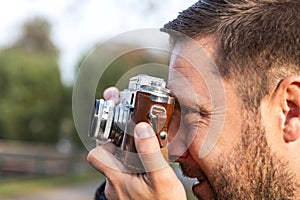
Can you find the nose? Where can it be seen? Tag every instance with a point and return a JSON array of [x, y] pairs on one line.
[[176, 137]]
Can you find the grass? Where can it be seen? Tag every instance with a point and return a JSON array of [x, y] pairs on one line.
[[26, 186]]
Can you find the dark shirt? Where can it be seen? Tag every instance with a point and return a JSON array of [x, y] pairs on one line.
[[100, 192]]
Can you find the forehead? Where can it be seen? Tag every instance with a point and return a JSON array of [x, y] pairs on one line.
[[193, 74]]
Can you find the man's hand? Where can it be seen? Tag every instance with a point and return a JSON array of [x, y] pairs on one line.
[[159, 181]]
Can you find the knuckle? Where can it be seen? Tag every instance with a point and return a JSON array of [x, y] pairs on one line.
[[91, 156]]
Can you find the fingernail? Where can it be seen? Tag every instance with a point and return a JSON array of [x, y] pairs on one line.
[[114, 96], [143, 130]]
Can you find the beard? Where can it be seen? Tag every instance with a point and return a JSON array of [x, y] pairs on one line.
[[251, 171]]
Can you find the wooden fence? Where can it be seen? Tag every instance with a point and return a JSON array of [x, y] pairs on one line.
[[18, 159]]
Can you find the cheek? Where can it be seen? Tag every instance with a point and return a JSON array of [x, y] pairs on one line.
[[195, 141], [204, 144], [181, 129], [195, 149], [213, 151], [194, 137], [197, 127]]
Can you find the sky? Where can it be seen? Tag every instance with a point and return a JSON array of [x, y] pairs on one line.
[[77, 25]]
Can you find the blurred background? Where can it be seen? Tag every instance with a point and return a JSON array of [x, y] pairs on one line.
[[42, 45]]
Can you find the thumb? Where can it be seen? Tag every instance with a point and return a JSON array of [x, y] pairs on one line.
[[147, 146]]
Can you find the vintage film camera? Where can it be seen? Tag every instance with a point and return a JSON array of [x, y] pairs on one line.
[[146, 100]]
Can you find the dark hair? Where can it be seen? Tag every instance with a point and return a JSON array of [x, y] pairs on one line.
[[258, 41]]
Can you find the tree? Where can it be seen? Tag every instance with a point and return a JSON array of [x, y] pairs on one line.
[[36, 37], [30, 87]]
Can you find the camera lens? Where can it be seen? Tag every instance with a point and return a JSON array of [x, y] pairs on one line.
[[108, 121], [102, 117]]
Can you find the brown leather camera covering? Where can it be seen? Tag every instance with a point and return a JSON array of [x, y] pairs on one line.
[[142, 107]]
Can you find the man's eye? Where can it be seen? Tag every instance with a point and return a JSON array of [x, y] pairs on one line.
[[195, 118], [186, 110]]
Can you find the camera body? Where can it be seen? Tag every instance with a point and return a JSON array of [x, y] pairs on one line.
[[146, 100]]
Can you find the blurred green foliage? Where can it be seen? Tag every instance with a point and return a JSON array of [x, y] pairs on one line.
[[31, 92], [36, 106], [136, 60], [31, 96]]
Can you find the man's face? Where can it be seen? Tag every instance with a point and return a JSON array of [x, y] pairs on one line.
[[217, 141]]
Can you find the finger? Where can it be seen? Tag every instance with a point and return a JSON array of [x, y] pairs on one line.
[[112, 93], [148, 148], [102, 158]]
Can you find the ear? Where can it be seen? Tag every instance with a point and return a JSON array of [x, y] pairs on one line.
[[290, 105]]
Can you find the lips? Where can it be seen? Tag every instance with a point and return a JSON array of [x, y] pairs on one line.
[[201, 186], [191, 169], [196, 184], [202, 190], [200, 180]]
